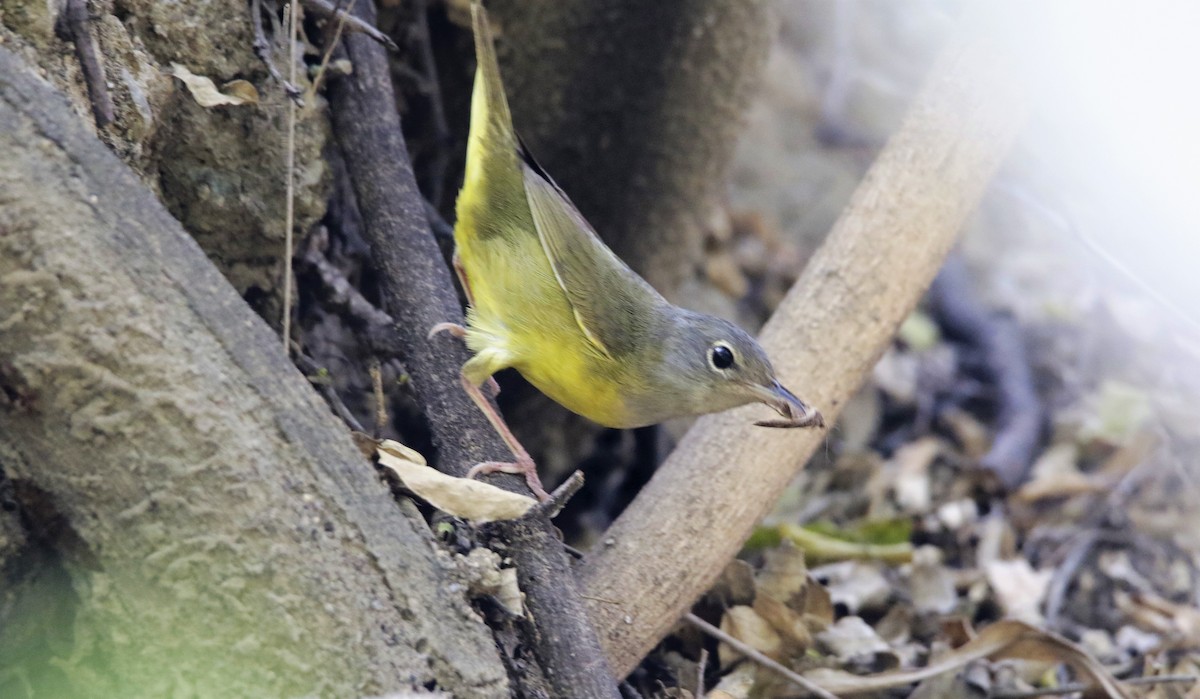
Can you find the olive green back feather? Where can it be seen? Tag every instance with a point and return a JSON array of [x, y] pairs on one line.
[[612, 305]]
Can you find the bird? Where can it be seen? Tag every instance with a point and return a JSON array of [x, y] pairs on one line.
[[548, 298]]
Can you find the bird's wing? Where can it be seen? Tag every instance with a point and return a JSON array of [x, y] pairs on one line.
[[613, 305]]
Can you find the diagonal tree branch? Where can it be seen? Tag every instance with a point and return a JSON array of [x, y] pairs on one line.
[[418, 293], [675, 538]]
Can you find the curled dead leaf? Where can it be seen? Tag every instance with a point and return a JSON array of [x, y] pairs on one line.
[[206, 94], [794, 630], [467, 498], [745, 624], [400, 451], [737, 684], [784, 573]]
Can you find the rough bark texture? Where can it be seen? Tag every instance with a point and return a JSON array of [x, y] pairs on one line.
[[226, 537], [634, 108], [205, 164], [418, 293], [676, 537]]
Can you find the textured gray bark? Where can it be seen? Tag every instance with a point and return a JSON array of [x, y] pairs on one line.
[[418, 294], [222, 534]]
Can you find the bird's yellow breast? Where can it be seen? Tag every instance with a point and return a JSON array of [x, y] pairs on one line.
[[520, 311]]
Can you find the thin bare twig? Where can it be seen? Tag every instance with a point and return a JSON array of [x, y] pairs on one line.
[[342, 17], [558, 499], [290, 216], [797, 679], [381, 414], [313, 372], [72, 25], [340, 295], [262, 49], [352, 23], [1073, 688], [1064, 573]]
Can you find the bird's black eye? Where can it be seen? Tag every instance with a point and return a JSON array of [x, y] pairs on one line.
[[720, 356]]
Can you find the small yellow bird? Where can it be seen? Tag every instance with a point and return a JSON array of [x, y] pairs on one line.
[[549, 299]]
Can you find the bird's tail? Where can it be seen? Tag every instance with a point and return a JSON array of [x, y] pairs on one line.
[[493, 179]]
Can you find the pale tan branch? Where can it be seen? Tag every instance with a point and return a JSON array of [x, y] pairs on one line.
[[691, 519]]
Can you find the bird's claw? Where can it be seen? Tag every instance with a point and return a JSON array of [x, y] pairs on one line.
[[453, 328], [525, 467]]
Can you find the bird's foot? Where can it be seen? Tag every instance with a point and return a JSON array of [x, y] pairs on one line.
[[490, 387], [524, 466], [453, 328]]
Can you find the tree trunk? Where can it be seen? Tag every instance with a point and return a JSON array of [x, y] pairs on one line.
[[218, 532]]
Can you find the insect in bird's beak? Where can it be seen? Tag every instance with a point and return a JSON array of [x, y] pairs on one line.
[[796, 413]]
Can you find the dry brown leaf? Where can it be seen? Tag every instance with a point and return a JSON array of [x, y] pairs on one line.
[[793, 628], [367, 444], [467, 498], [400, 451], [969, 432], [735, 585], [1125, 459], [817, 604], [1056, 474], [1003, 639], [957, 631], [1178, 623], [896, 627], [1019, 588], [737, 684], [206, 94], [744, 624], [240, 89], [784, 574]]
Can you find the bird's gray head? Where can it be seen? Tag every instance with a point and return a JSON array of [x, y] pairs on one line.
[[715, 365]]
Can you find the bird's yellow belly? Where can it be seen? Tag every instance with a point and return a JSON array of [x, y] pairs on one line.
[[519, 308], [553, 369]]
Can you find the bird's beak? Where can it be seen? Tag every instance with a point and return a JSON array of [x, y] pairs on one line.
[[796, 412]]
